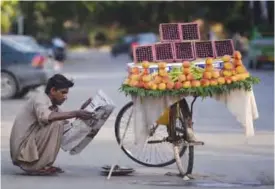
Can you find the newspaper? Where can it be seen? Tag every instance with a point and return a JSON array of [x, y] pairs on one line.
[[79, 133]]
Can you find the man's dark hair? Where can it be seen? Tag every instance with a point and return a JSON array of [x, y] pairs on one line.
[[58, 81]]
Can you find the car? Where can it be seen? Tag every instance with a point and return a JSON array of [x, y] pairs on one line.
[[261, 52], [122, 45], [22, 68], [32, 43]]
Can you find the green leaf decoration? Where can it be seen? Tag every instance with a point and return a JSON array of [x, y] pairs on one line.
[[192, 91]]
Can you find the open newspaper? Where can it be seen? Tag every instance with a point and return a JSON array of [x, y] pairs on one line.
[[79, 133]]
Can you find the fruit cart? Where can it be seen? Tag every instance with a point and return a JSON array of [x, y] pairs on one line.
[[160, 82]]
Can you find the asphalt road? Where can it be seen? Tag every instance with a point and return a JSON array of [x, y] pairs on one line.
[[227, 160]]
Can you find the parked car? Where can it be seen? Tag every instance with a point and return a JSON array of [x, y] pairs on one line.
[[21, 68], [123, 45], [261, 51]]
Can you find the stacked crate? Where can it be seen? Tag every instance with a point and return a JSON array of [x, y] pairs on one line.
[[181, 42]]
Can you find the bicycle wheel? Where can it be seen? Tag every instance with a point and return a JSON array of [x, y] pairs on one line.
[[184, 164], [163, 151]]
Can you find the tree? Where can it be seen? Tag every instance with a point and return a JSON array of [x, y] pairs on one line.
[[8, 14]]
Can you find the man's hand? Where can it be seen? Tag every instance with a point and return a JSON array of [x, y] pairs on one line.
[[83, 114], [86, 104]]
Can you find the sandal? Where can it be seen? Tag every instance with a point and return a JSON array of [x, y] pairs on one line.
[[42, 172], [57, 169]]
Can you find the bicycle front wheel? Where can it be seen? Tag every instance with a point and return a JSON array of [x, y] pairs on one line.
[[152, 154]]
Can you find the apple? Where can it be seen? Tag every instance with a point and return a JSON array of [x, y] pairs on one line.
[[134, 83], [221, 80], [178, 85], [234, 78], [126, 81], [237, 55], [228, 65], [209, 61], [209, 68], [228, 80], [146, 78], [157, 79], [227, 73], [226, 58], [154, 86], [170, 85], [134, 70], [215, 74], [135, 77], [234, 72], [246, 75], [146, 71], [145, 64], [162, 86], [213, 82], [195, 83], [190, 77], [162, 65], [186, 84], [205, 82], [182, 78], [186, 64], [148, 85], [165, 79], [163, 72], [240, 69], [140, 84], [207, 75], [186, 71]]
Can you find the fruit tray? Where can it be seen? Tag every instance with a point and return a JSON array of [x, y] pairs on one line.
[[223, 47], [218, 64]]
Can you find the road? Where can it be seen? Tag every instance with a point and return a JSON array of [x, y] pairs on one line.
[[227, 160]]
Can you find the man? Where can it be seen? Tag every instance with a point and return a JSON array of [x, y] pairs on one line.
[[38, 128]]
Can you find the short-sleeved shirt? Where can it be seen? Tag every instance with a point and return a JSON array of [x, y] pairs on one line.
[[35, 113]]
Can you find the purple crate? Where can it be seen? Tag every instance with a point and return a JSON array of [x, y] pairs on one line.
[[224, 47], [169, 32], [183, 51], [204, 49], [164, 52], [144, 53], [190, 31]]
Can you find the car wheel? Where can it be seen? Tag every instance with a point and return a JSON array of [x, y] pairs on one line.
[[8, 86], [22, 93]]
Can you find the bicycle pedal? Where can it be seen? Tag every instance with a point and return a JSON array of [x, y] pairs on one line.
[[194, 143]]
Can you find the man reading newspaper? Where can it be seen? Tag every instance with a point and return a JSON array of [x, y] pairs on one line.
[[38, 129]]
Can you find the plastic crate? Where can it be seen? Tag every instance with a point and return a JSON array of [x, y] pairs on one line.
[[164, 52], [169, 32], [204, 49], [183, 51], [189, 31], [144, 53], [224, 47]]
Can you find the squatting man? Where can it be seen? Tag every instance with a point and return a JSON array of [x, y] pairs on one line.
[[39, 126]]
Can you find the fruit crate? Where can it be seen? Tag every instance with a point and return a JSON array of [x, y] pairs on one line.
[[183, 51], [144, 53], [164, 52], [169, 32], [204, 49], [189, 31], [224, 47]]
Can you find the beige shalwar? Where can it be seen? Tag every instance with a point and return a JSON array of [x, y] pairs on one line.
[[34, 141]]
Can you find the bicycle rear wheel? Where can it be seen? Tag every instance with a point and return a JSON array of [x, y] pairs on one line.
[[162, 151], [184, 164]]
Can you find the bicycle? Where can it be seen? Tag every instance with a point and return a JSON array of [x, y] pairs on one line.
[[180, 117]]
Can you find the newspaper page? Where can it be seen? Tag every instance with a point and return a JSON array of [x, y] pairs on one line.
[[79, 133]]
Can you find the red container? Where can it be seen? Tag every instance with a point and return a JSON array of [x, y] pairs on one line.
[[144, 53], [189, 31], [204, 49], [169, 32], [164, 52], [183, 51], [224, 47]]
